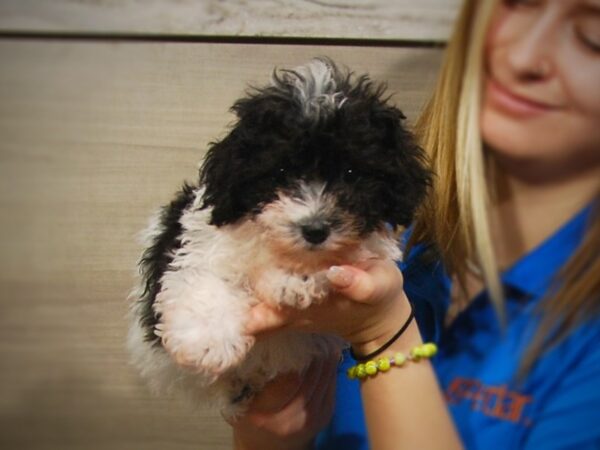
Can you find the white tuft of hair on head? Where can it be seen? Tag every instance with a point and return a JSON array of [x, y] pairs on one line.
[[315, 87]]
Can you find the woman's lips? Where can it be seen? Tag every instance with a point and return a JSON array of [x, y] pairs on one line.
[[513, 104]]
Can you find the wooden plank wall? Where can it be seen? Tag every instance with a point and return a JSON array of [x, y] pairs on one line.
[[105, 108], [425, 20]]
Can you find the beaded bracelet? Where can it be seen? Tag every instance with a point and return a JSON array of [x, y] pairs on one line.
[[362, 358], [370, 368]]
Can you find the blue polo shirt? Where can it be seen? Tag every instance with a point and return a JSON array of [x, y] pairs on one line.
[[557, 406]]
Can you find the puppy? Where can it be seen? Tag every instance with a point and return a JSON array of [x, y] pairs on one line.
[[317, 171]]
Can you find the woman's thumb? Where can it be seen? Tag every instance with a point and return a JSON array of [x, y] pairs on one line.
[[264, 318], [354, 283]]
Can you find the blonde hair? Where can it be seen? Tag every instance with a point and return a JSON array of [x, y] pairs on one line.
[[454, 218]]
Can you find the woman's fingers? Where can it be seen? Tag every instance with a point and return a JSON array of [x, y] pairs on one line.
[[368, 282], [307, 408], [277, 394], [362, 294], [291, 414], [322, 401], [263, 318], [352, 282]]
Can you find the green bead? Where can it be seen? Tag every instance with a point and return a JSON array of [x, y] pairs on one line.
[[399, 359], [371, 368], [351, 372], [417, 352], [430, 348], [360, 371], [383, 364]]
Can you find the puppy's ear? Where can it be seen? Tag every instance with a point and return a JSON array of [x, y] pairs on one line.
[[407, 172], [218, 175], [233, 166]]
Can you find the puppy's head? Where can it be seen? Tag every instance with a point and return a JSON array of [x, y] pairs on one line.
[[319, 158]]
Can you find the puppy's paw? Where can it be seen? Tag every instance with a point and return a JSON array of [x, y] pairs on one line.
[[319, 287], [306, 290], [202, 322], [210, 353], [297, 291]]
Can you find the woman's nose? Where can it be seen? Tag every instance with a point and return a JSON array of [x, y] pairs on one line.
[[530, 55]]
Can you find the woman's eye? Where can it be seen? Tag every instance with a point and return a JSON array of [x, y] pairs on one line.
[[590, 40], [515, 3]]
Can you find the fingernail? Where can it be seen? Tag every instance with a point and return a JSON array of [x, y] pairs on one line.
[[339, 276]]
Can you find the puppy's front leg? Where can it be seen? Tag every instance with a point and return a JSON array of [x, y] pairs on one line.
[[202, 321], [281, 288]]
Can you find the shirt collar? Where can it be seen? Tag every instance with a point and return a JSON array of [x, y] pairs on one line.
[[533, 273]]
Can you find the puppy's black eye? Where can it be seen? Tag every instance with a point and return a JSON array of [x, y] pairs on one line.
[[280, 174], [351, 175]]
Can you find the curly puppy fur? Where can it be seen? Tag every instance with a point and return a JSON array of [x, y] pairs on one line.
[[318, 170]]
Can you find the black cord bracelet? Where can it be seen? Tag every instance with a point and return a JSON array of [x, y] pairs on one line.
[[388, 343]]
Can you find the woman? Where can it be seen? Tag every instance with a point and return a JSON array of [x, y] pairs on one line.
[[502, 264]]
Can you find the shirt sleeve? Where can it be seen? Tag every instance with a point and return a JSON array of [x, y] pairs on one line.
[[428, 289], [570, 419]]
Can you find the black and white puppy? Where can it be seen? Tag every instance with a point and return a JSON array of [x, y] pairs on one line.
[[317, 171]]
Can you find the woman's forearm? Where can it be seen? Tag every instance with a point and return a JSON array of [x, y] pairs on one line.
[[404, 407]]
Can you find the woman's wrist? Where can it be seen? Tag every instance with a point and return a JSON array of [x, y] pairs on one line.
[[390, 330]]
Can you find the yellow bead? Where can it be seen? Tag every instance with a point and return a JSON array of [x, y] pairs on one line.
[[429, 349], [383, 364], [351, 372], [371, 368], [399, 359], [416, 353], [360, 371]]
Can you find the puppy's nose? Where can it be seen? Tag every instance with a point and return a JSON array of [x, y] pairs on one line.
[[315, 233]]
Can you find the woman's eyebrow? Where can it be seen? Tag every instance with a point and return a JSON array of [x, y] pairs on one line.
[[592, 8]]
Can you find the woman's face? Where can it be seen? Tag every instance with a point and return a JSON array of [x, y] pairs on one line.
[[541, 100]]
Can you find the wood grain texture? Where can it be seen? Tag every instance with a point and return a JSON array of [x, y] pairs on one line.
[[428, 20], [95, 136]]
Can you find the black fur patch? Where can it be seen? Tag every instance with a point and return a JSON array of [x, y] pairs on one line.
[[158, 256], [361, 151]]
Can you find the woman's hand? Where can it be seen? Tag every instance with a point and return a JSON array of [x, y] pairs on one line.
[[290, 411], [367, 307]]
